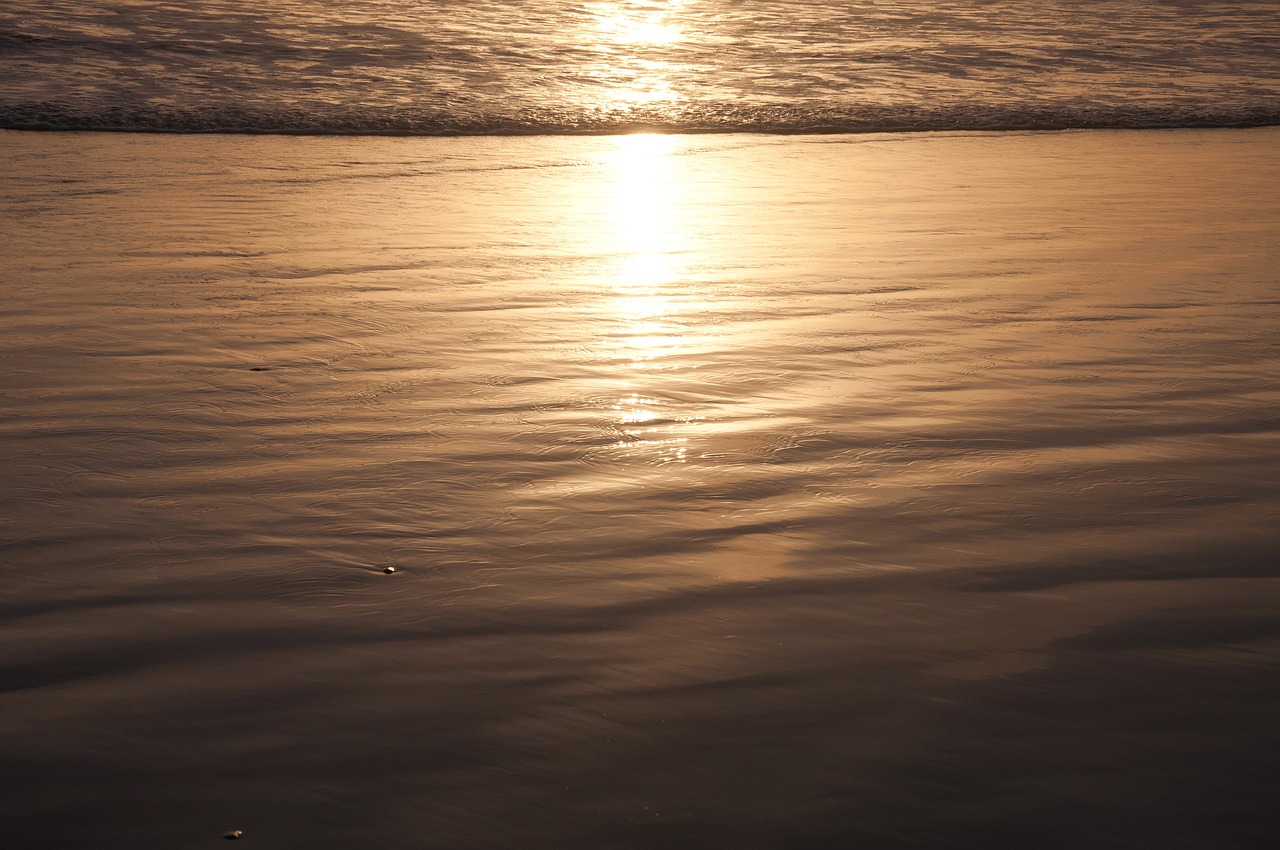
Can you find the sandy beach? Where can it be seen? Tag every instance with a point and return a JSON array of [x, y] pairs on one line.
[[880, 491]]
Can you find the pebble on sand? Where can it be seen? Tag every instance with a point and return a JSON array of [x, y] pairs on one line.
[[389, 569], [233, 834]]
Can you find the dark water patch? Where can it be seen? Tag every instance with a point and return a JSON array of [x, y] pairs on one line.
[[1225, 559], [1175, 631], [716, 119], [1117, 754]]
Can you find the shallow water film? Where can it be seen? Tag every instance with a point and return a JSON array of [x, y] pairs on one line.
[[640, 492]]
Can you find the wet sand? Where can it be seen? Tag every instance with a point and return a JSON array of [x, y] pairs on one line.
[[743, 492]]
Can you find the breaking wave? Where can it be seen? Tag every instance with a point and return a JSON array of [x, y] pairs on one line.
[[411, 122]]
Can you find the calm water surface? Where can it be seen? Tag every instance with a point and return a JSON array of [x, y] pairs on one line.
[[745, 492]]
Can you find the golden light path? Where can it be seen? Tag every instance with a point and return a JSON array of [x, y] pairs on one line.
[[651, 298], [633, 35], [639, 23]]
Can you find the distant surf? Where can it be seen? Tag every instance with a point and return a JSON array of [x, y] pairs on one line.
[[700, 66], [408, 122]]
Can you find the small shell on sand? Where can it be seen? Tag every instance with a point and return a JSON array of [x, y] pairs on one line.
[[389, 569]]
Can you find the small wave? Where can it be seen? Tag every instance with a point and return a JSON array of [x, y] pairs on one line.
[[708, 119]]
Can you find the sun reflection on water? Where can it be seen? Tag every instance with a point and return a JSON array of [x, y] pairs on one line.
[[630, 30], [639, 22], [651, 301], [634, 37], [644, 207], [647, 245]]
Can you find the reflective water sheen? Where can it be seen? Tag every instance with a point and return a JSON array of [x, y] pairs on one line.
[[535, 66], [744, 491]]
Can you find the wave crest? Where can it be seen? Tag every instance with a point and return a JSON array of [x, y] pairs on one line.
[[704, 119]]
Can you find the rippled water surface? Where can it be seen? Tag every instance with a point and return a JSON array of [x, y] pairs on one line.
[[744, 491], [533, 66]]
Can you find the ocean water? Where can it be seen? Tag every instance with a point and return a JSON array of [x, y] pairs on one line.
[[531, 66], [778, 482], [743, 491]]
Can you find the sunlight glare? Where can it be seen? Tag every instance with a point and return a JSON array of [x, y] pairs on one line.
[[634, 40], [644, 204], [639, 26], [651, 304]]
